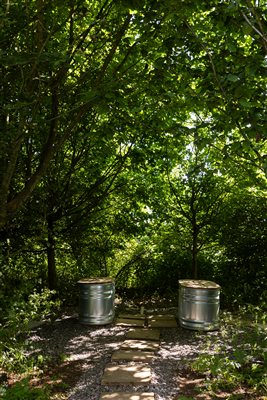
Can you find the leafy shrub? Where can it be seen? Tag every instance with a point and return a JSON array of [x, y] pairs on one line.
[[236, 357], [16, 324], [22, 391]]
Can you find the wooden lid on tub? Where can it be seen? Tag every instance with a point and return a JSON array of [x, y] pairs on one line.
[[96, 281], [198, 284]]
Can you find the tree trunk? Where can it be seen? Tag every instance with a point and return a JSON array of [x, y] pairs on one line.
[[194, 245], [194, 256], [51, 260], [195, 230]]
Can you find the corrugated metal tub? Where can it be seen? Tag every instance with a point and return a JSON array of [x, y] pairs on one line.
[[96, 301], [199, 304]]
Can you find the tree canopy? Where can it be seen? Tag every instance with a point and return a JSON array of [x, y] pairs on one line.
[[133, 144]]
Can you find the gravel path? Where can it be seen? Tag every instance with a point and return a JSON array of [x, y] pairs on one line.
[[91, 347]]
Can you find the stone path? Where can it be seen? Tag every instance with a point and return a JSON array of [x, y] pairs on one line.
[[132, 355], [135, 344], [128, 396], [138, 350], [143, 334]]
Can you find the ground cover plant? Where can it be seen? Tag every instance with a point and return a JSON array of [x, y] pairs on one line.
[[16, 324], [23, 391], [236, 356]]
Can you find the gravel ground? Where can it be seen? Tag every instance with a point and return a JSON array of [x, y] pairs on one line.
[[91, 347]]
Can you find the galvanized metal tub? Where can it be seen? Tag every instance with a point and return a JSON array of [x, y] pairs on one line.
[[96, 301], [199, 304]]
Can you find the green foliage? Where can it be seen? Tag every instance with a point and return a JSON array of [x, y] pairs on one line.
[[38, 306], [237, 356], [23, 391], [257, 313], [184, 398], [243, 244], [133, 135], [17, 323]]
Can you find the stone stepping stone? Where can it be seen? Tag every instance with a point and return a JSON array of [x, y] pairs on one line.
[[125, 374], [132, 309], [143, 334], [134, 344], [155, 322], [132, 355], [165, 317], [129, 322], [128, 396], [132, 316]]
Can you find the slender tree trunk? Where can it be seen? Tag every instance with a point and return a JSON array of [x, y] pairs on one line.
[[194, 243], [51, 259], [194, 256], [195, 230]]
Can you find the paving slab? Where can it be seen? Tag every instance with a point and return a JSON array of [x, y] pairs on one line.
[[132, 316], [164, 317], [126, 374], [127, 396], [134, 344], [132, 308], [143, 334], [162, 323], [169, 310], [129, 322], [132, 355]]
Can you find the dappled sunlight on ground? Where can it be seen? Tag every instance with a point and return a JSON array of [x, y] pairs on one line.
[[78, 354]]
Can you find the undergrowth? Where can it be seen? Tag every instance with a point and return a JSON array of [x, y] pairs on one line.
[[23, 391], [237, 355], [15, 326]]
